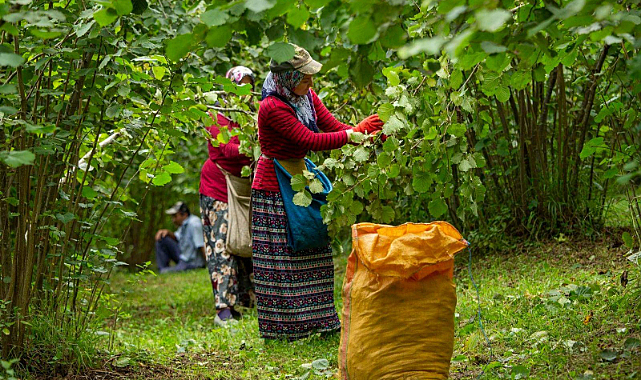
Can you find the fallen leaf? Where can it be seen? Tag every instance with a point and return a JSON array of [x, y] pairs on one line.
[[588, 318]]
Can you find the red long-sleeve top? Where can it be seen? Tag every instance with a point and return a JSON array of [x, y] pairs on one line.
[[283, 136], [212, 180]]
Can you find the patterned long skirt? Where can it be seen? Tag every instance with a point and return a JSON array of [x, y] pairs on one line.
[[231, 276], [294, 290]]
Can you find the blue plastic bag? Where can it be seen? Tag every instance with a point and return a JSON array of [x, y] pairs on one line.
[[305, 227]]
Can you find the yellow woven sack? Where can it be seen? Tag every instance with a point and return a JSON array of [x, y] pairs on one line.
[[399, 300]]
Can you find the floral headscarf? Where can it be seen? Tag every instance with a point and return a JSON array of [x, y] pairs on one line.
[[281, 85], [237, 73]]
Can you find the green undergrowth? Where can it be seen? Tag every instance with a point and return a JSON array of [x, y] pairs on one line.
[[556, 311]]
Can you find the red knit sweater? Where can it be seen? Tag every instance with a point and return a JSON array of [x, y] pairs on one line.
[[212, 180], [283, 136]]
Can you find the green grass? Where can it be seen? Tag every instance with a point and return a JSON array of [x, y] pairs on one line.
[[556, 311]]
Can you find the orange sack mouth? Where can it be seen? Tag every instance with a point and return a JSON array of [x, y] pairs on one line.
[[399, 301]]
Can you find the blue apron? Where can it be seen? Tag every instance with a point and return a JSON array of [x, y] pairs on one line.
[[305, 227]]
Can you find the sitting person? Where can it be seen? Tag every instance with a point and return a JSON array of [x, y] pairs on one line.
[[185, 246]]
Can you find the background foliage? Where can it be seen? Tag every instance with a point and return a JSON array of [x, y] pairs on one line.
[[507, 118]]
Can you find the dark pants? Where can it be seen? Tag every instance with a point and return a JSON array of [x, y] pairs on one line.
[[167, 250]]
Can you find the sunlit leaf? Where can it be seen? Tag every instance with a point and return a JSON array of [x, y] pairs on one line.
[[492, 20], [214, 17]]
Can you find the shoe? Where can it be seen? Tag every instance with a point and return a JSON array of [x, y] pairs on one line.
[[237, 315], [219, 322], [223, 317]]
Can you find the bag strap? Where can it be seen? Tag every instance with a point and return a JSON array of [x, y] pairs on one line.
[[225, 172]]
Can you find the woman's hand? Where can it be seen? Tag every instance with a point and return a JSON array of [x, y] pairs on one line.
[[369, 125]]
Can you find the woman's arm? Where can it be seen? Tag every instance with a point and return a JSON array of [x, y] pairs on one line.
[[282, 118], [231, 149], [325, 120]]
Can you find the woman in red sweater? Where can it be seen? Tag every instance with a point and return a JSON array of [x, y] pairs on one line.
[[294, 290], [230, 275]]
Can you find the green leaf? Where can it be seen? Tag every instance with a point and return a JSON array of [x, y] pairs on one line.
[[394, 37], [521, 79], [8, 110], [214, 17], [492, 20], [632, 343], [105, 16], [298, 16], [393, 125], [139, 6], [315, 4], [161, 179], [361, 30], [491, 48], [394, 170], [88, 192], [41, 128], [82, 29], [491, 83], [497, 62], [387, 214], [43, 34], [179, 47], [219, 36], [298, 182], [66, 217], [431, 46], [124, 89], [456, 79], [437, 207], [320, 364], [114, 110], [608, 355], [123, 7], [8, 88], [280, 8], [465, 165], [361, 154], [570, 9], [11, 29], [357, 137], [280, 51], [259, 5], [10, 59], [628, 240], [591, 147], [520, 372], [158, 71], [384, 159], [422, 182], [502, 94], [392, 76], [467, 61], [16, 158], [316, 186], [385, 111], [362, 72], [303, 198], [173, 168]]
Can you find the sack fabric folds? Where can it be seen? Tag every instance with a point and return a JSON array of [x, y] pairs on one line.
[[399, 300], [239, 239], [305, 227]]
